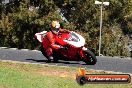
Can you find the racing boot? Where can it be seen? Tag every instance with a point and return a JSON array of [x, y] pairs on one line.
[[50, 58]]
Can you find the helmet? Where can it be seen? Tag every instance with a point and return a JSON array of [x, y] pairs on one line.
[[55, 26]]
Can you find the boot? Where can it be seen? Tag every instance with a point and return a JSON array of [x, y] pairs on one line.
[[50, 58]]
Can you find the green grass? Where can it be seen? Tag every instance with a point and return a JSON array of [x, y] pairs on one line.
[[25, 76]]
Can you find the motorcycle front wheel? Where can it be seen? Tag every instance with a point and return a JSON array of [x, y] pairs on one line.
[[89, 58]]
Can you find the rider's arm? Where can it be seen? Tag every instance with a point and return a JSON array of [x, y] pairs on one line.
[[52, 41]]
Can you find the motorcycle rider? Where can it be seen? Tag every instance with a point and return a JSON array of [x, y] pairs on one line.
[[49, 40]]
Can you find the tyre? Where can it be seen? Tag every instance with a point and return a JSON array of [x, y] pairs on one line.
[[90, 58], [81, 80]]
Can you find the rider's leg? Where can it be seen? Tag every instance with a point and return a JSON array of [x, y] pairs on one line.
[[49, 54]]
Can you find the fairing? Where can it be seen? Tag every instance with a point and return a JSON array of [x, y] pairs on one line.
[[40, 36], [76, 40]]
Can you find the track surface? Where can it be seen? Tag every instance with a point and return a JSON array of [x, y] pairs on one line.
[[103, 63]]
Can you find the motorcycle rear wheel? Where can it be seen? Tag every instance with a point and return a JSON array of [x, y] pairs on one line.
[[90, 58]]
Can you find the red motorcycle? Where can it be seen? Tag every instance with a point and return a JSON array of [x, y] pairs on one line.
[[75, 50]]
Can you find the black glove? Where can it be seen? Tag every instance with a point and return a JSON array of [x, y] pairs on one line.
[[62, 47]]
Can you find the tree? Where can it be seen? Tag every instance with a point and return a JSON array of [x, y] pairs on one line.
[[21, 19]]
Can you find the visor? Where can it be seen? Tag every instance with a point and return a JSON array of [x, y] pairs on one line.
[[56, 30]]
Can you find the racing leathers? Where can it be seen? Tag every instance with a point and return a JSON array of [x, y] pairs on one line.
[[49, 42]]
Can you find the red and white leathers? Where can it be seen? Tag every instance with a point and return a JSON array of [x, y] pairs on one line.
[[49, 42]]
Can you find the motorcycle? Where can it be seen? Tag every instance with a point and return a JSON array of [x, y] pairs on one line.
[[74, 51]]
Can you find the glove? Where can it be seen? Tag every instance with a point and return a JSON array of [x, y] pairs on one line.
[[62, 47]]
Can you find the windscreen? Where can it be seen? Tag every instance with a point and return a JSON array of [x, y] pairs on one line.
[[73, 37]]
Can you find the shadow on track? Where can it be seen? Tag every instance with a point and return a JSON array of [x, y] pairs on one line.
[[37, 60], [60, 61]]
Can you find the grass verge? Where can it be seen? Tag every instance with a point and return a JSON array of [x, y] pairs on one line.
[[20, 75]]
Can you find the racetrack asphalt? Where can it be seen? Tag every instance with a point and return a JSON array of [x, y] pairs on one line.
[[103, 63]]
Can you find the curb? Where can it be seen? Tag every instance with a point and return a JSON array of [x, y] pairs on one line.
[[3, 47], [118, 57], [18, 49], [32, 63]]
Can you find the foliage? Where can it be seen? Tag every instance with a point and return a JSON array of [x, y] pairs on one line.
[[21, 19]]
